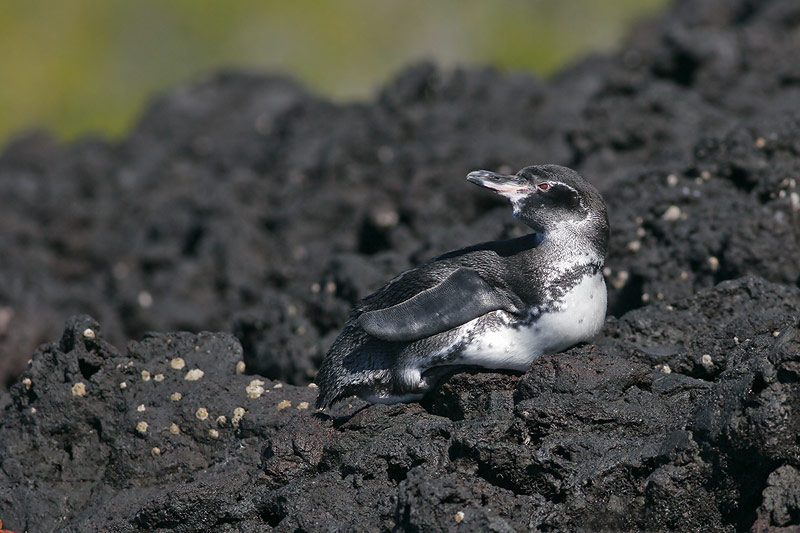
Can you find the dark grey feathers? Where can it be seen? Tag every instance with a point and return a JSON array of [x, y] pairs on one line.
[[461, 297]]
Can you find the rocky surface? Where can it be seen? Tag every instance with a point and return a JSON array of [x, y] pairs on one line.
[[245, 204]]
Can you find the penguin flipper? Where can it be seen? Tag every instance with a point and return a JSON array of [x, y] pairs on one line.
[[462, 297]]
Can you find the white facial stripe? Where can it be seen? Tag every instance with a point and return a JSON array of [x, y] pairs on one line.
[[515, 196]]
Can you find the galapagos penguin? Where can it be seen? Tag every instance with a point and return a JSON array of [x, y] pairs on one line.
[[497, 305]]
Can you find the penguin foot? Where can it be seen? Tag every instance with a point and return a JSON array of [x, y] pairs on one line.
[[392, 398], [409, 380], [407, 385]]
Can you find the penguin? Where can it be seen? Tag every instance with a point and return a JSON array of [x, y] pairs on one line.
[[496, 305]]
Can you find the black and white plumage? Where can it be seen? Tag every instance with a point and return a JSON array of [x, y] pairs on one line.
[[497, 304]]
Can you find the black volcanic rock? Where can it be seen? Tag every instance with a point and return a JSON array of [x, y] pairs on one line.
[[243, 203], [586, 438]]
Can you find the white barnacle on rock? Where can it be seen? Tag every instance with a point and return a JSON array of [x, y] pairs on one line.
[[194, 374], [89, 333], [201, 413], [79, 389], [238, 414], [177, 363], [144, 299], [794, 198], [672, 213], [141, 427], [620, 279], [255, 389]]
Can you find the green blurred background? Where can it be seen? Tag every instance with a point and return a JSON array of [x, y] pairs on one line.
[[88, 66]]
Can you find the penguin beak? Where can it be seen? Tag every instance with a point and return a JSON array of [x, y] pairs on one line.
[[503, 184]]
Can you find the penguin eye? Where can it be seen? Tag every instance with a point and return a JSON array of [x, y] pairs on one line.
[[543, 186]]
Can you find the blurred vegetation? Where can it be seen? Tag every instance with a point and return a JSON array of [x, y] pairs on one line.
[[78, 66]]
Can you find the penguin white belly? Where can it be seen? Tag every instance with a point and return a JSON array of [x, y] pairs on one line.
[[514, 345]]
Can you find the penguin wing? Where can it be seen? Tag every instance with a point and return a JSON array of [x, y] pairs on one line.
[[462, 297]]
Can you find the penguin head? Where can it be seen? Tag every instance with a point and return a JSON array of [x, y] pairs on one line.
[[549, 197]]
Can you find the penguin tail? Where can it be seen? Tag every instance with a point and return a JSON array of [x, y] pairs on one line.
[[329, 391], [327, 396], [356, 364]]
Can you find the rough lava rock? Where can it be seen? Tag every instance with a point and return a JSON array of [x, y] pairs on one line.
[[593, 438], [245, 204]]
